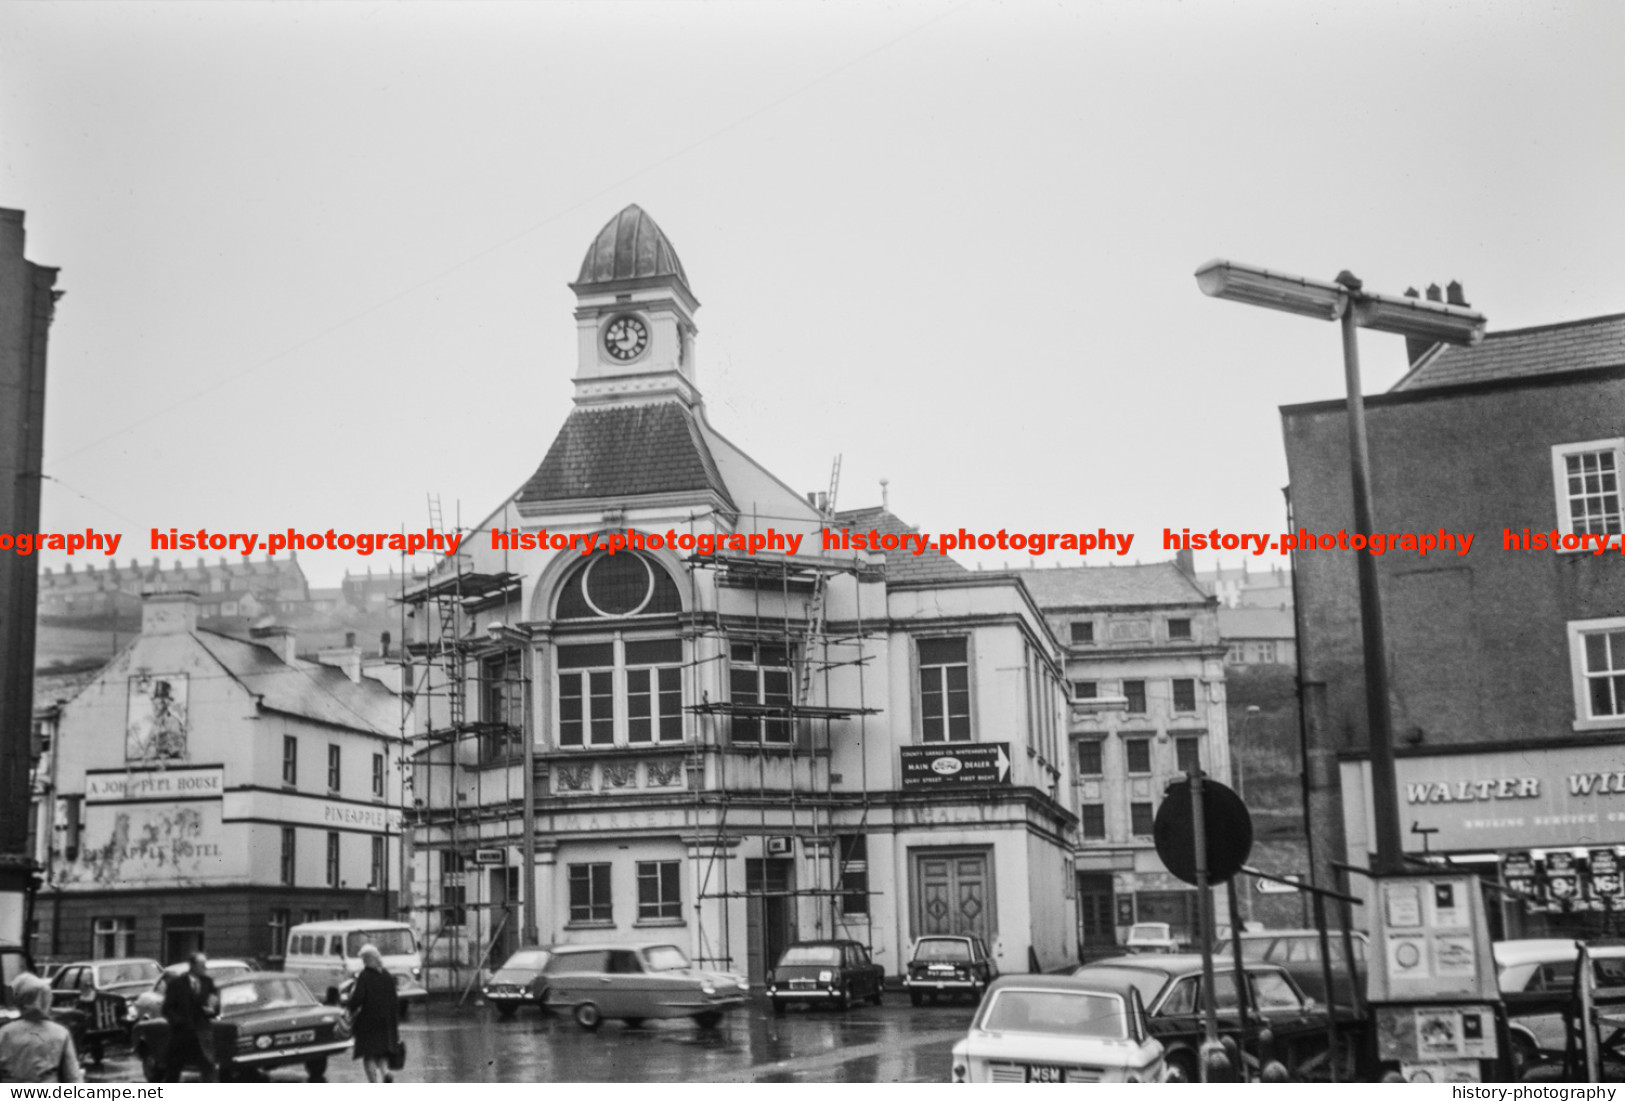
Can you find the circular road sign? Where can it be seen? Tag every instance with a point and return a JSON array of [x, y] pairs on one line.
[[1229, 831]]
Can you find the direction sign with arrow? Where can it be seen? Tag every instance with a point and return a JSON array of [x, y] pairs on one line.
[[955, 764]]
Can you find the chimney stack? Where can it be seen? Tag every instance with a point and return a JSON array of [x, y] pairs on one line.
[[1453, 295], [346, 661], [280, 639], [169, 613]]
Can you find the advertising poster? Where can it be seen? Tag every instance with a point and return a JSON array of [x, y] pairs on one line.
[[156, 727]]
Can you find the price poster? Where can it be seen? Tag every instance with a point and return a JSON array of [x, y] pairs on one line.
[[1604, 881], [1562, 879], [1518, 873]]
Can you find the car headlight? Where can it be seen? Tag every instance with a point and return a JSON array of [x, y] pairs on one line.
[[262, 1042], [826, 976], [417, 972], [708, 989]]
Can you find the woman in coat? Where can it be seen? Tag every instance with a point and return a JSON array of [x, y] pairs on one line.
[[374, 1013]]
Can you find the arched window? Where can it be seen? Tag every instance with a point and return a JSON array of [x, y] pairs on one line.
[[614, 586]]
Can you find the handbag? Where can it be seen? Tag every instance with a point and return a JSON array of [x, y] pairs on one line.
[[397, 1055]]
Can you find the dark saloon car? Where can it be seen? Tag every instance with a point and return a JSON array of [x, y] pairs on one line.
[[1171, 987], [267, 1019], [1298, 951], [940, 965], [92, 997], [519, 982], [828, 972]]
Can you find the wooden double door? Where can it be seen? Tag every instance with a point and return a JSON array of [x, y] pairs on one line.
[[953, 894]]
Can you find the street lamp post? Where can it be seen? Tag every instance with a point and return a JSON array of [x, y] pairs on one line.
[[1345, 300]]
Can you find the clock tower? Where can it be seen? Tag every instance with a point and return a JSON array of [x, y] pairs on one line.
[[634, 317]]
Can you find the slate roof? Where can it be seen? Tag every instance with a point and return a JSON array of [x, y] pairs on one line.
[[626, 451], [1256, 623], [1110, 586], [1523, 353], [901, 565], [306, 689], [630, 246]]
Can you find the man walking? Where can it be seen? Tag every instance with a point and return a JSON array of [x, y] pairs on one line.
[[190, 1003], [35, 1048]]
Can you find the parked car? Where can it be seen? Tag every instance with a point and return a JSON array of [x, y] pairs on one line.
[[1171, 987], [831, 972], [327, 955], [267, 1019], [1151, 936], [1298, 950], [1536, 978], [939, 965], [1043, 1028], [92, 998], [150, 1002], [519, 982], [634, 982]]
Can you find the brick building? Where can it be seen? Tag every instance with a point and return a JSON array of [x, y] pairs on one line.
[[1507, 664]]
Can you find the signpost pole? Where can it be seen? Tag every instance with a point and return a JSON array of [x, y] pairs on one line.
[[1204, 918], [1240, 968]]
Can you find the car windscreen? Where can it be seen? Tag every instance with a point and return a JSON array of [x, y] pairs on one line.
[[1056, 1012], [112, 974], [526, 961], [251, 997], [389, 942], [811, 955], [942, 951], [578, 963], [1148, 983], [665, 957]]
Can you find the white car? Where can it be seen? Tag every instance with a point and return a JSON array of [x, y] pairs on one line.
[[1049, 1028], [1151, 936]]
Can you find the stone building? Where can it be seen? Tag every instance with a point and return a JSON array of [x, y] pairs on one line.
[[735, 745]]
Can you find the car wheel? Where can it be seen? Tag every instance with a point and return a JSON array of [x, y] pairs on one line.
[[228, 1073], [778, 1006], [709, 1019], [1182, 1066], [506, 1012], [150, 1068], [588, 1016], [97, 1054], [634, 1022], [317, 1069], [1525, 1054], [842, 999], [914, 998], [880, 996]]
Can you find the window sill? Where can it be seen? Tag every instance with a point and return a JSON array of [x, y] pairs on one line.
[[658, 923], [596, 924]]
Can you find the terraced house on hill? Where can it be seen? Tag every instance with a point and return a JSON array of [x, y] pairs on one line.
[[727, 752]]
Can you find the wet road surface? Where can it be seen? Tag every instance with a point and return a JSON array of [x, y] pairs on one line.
[[891, 1043]]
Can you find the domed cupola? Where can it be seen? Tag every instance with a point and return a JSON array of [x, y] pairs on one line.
[[634, 317]]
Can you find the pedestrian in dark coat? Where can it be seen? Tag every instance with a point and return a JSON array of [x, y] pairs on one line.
[[375, 1014], [190, 1003]]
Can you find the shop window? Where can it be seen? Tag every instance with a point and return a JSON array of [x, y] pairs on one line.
[[114, 938], [659, 890], [852, 872], [944, 690], [589, 893], [375, 875], [279, 933]]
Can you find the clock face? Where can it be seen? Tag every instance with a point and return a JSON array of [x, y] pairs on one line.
[[625, 338]]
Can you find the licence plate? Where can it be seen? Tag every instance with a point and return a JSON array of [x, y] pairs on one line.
[[1046, 1074], [304, 1037], [940, 967]]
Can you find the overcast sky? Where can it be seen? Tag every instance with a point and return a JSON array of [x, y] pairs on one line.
[[316, 256]]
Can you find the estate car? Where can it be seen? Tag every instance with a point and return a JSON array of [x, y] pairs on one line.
[[831, 972], [1046, 1028], [634, 982], [939, 965], [267, 1019], [92, 998]]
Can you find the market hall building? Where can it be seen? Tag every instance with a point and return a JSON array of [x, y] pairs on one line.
[[1507, 662], [729, 751]]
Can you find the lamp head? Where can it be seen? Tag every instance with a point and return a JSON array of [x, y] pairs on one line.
[[1272, 289]]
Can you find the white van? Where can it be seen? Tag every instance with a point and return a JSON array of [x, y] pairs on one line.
[[327, 955]]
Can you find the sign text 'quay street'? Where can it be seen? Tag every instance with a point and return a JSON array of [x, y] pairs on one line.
[[960, 763]]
